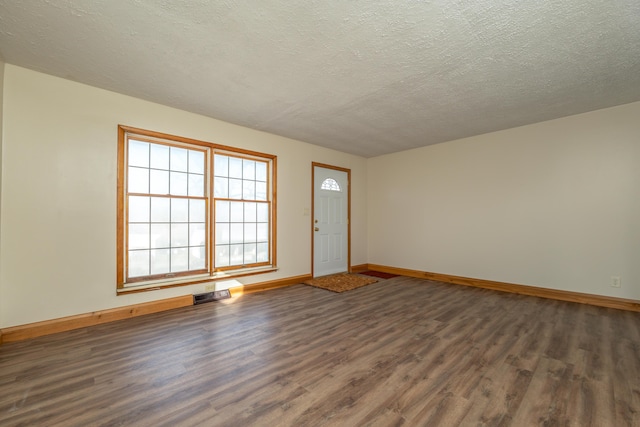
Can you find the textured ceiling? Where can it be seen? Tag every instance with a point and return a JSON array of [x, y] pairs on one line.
[[364, 77]]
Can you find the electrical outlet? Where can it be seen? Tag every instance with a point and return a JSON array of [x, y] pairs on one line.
[[210, 287], [615, 282]]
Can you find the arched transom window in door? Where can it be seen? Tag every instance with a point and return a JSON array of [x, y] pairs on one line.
[[330, 184]]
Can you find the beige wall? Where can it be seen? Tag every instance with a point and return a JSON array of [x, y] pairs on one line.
[[554, 204], [59, 194], [1, 173]]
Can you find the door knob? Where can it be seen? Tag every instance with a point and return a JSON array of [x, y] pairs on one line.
[[316, 229]]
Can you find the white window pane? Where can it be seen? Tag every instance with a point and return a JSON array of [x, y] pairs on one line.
[[250, 253], [197, 211], [179, 235], [138, 180], [262, 250], [250, 212], [236, 234], [222, 233], [179, 210], [261, 171], [235, 189], [160, 211], [159, 182], [197, 234], [160, 235], [262, 232], [249, 232], [263, 212], [248, 169], [178, 184], [196, 185], [138, 263], [237, 212], [196, 161], [221, 165], [236, 254], [330, 184], [221, 187], [248, 190], [179, 259], [178, 159], [261, 191], [160, 261], [138, 209], [222, 211], [197, 258], [159, 156], [235, 167], [222, 256], [138, 236], [138, 153]]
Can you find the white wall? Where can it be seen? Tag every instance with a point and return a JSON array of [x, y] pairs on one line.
[[554, 204], [58, 214]]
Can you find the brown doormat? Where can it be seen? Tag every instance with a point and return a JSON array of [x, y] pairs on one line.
[[379, 274], [340, 282]]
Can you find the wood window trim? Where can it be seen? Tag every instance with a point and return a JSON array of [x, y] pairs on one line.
[[189, 278]]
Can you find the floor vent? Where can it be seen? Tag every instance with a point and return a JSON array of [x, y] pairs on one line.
[[211, 296]]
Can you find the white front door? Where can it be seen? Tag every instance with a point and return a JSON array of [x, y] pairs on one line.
[[330, 221]]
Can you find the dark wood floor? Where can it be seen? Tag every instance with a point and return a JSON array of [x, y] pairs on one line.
[[402, 351]]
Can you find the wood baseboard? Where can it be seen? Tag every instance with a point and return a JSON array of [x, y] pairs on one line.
[[359, 268], [47, 327], [37, 329], [265, 286], [33, 330], [591, 299]]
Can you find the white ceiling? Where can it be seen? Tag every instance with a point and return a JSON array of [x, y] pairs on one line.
[[364, 77]]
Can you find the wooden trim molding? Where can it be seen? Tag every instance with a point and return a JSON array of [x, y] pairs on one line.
[[47, 327], [265, 286], [209, 149], [359, 268], [591, 299]]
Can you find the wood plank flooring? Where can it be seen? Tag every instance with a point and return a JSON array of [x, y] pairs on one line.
[[403, 351]]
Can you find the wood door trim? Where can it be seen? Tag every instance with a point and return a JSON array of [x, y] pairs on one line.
[[313, 200]]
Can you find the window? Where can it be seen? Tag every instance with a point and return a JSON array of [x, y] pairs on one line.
[[330, 184], [242, 211], [189, 209]]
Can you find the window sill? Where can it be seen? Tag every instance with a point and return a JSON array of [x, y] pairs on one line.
[[192, 280]]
